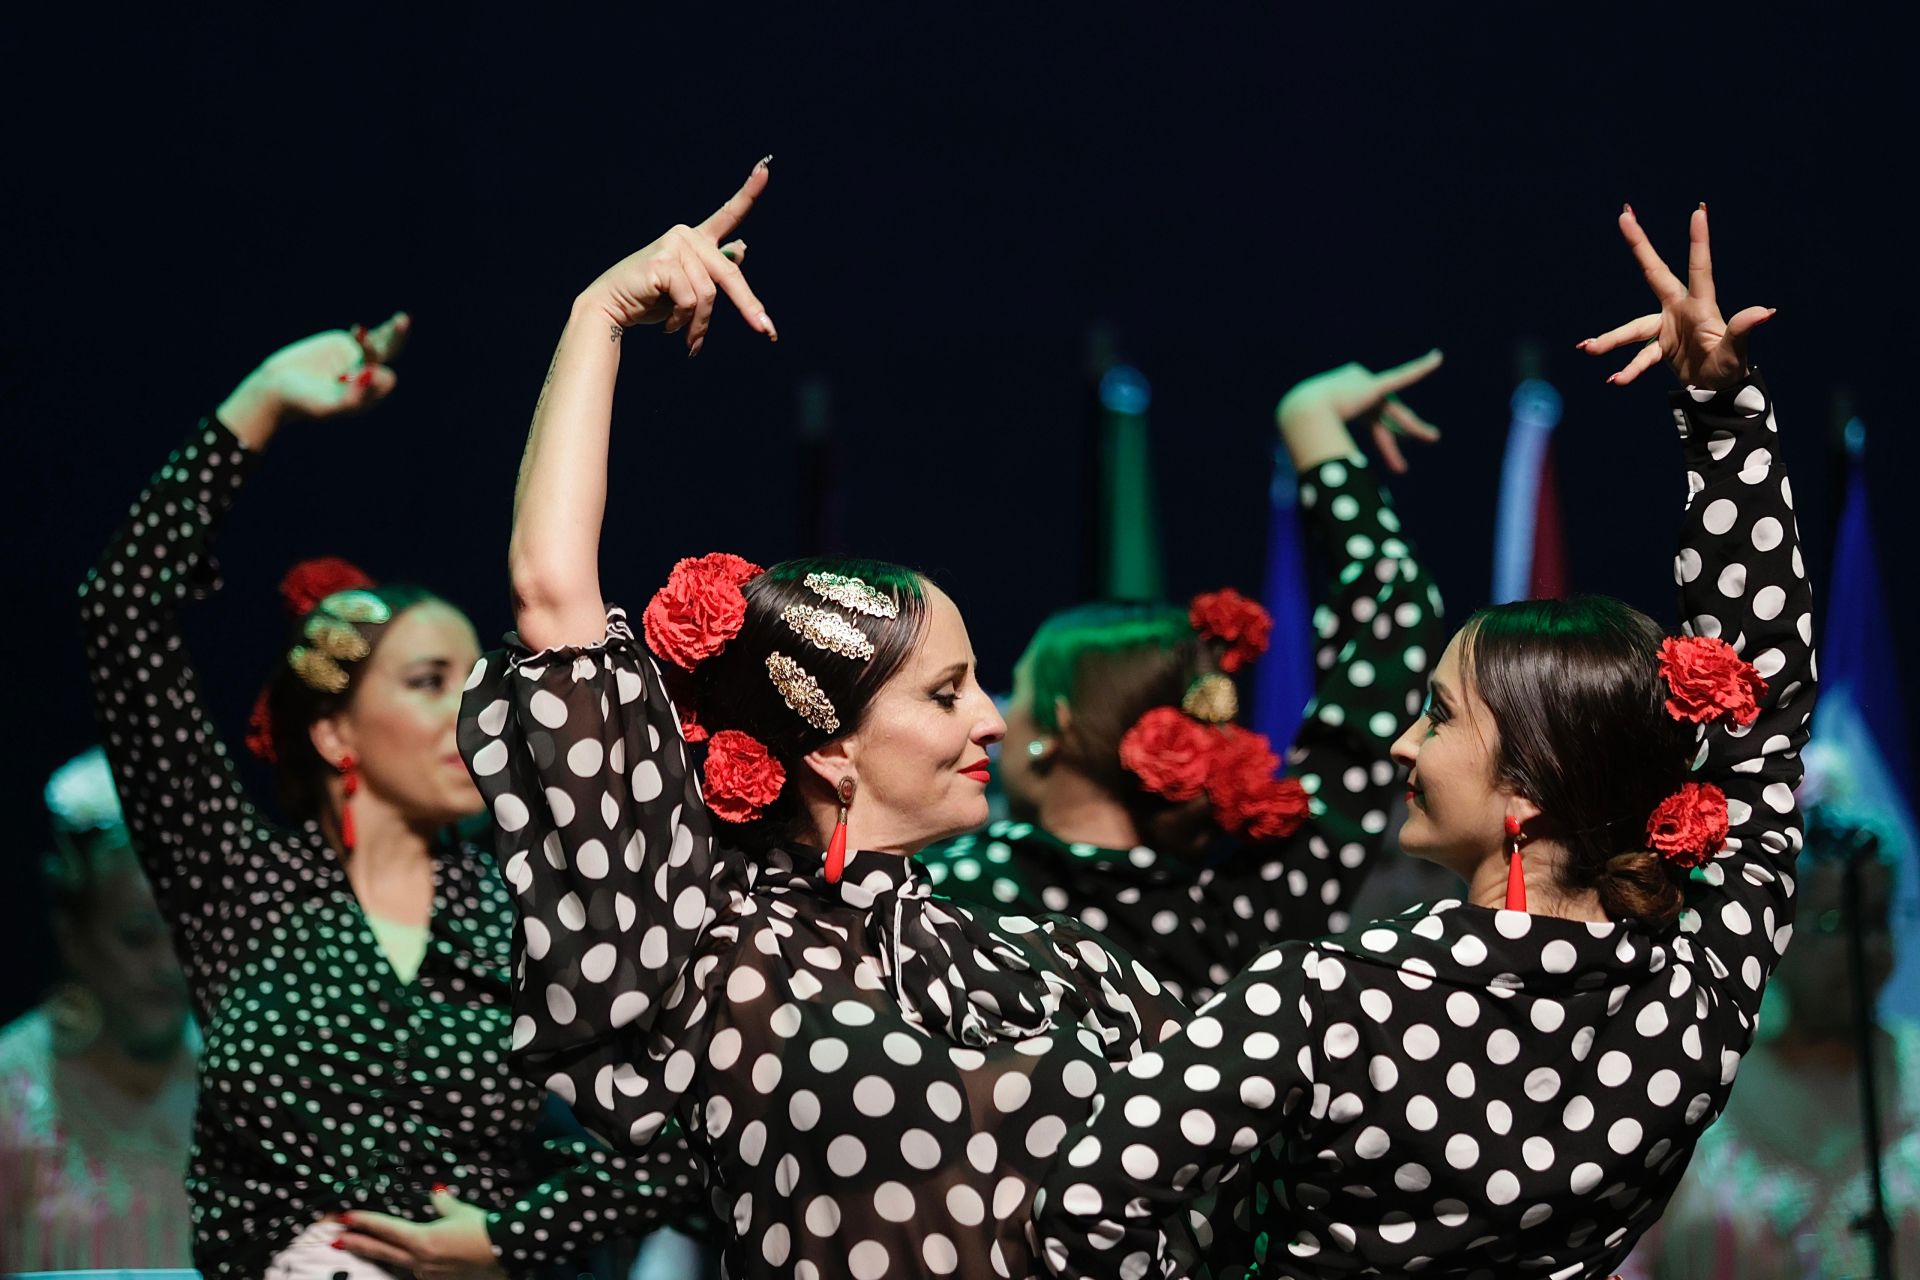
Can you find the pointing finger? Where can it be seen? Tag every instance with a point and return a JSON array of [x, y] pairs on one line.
[[1666, 286], [722, 221]]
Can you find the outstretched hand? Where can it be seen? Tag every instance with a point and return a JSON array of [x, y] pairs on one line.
[[676, 279], [1701, 348], [328, 375], [1326, 402]]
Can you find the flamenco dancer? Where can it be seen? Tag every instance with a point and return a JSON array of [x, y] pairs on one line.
[[709, 827], [1513, 1084], [1142, 810], [350, 972]]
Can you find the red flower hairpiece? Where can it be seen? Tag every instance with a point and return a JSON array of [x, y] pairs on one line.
[[742, 777], [699, 610], [260, 731], [1708, 681], [1239, 623], [1249, 798], [1178, 758], [1170, 752], [311, 581], [1690, 826], [690, 727]]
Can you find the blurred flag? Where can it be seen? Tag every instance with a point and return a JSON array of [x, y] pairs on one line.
[[1861, 759], [1529, 549], [1283, 679]]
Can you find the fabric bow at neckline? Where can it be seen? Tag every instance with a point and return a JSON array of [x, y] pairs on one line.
[[947, 970]]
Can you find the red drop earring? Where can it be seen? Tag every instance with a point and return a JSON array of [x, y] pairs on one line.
[[350, 785], [837, 847], [1516, 876]]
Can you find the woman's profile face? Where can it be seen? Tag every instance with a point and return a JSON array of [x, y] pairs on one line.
[[400, 724], [1456, 813], [920, 754]]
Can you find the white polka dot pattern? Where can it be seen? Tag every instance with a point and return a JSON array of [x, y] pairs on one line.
[[876, 1077], [326, 1083], [1196, 926], [1466, 1092]]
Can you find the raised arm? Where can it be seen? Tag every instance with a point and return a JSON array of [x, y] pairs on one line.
[[1742, 579], [188, 815], [1377, 626], [554, 559]]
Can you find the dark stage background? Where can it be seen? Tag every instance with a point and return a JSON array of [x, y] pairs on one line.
[[1244, 196]]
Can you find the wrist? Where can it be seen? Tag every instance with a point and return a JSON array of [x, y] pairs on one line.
[[1312, 431], [252, 412]]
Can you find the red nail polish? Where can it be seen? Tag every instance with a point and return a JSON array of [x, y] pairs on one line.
[[365, 378], [345, 377], [359, 333], [439, 1187], [336, 1245]]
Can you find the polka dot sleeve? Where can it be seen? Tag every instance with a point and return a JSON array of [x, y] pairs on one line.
[[1170, 1127], [608, 849], [1376, 631], [196, 831], [1742, 578]]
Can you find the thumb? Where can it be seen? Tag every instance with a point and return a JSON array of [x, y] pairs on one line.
[[445, 1203]]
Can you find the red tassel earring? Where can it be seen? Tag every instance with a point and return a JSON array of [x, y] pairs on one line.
[[837, 847], [1516, 877], [350, 784]]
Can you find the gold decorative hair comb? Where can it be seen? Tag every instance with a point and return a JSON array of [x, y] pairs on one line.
[[802, 693], [1211, 698], [825, 629], [852, 593], [333, 638]]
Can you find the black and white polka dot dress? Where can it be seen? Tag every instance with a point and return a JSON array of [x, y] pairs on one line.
[[876, 1077], [326, 1083], [1197, 923], [1465, 1092]]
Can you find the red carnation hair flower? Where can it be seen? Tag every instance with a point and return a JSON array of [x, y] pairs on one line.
[[1170, 752], [699, 610], [1248, 798], [742, 777], [1690, 826], [690, 727], [311, 581], [1708, 681], [260, 731], [1237, 622]]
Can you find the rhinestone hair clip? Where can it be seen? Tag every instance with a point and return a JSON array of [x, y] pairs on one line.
[[825, 629], [852, 593], [802, 693], [1211, 698]]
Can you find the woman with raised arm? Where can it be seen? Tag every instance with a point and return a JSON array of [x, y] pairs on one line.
[[1512, 1085], [1125, 766], [709, 827], [350, 971]]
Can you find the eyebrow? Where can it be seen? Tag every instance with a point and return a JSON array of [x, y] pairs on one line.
[[952, 673]]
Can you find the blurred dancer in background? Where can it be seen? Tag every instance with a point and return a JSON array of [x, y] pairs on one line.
[[96, 1084], [350, 969], [1193, 875]]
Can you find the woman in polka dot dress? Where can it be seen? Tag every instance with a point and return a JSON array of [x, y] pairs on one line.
[[876, 1077], [1469, 1090], [354, 1009], [1154, 874]]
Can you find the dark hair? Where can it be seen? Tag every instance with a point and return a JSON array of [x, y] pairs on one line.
[[731, 690], [1111, 663], [300, 774], [1575, 691]]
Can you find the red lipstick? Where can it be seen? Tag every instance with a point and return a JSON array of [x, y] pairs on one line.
[[978, 771]]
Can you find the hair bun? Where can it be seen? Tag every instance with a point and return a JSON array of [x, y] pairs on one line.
[[311, 581]]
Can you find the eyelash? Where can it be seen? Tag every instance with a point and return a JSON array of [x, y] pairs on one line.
[[948, 701], [1436, 713], [433, 682]]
